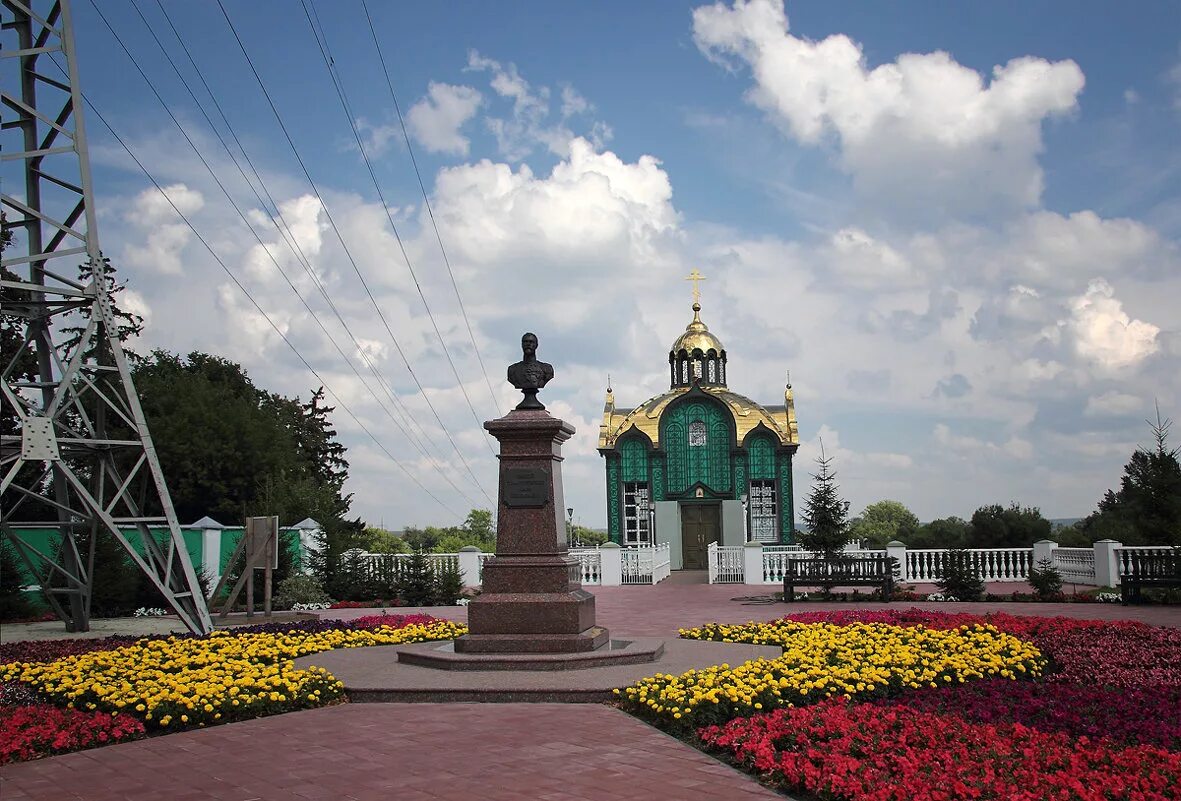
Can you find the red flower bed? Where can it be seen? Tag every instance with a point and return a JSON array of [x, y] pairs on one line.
[[29, 732], [393, 621], [863, 752], [49, 650], [1136, 716]]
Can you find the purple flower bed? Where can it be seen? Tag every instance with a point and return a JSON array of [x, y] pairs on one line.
[[49, 650], [1136, 716]]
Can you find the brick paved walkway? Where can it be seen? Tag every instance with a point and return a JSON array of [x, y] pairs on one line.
[[396, 752]]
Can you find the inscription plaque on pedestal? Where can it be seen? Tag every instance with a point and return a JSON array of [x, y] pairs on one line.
[[525, 487]]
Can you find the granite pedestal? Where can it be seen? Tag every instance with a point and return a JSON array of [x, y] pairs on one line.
[[533, 601]]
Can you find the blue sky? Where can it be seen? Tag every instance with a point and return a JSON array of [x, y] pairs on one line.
[[956, 225]]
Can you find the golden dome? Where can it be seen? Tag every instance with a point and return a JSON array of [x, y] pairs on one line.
[[697, 336]]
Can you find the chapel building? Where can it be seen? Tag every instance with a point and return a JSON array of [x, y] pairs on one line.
[[699, 464]]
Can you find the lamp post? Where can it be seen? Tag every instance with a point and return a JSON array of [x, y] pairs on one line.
[[570, 526]]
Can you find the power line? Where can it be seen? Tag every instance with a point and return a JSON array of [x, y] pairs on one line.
[[281, 224], [342, 95], [356, 268], [256, 305], [241, 214], [427, 203]]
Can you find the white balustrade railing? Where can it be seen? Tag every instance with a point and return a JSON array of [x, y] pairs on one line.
[[481, 558], [992, 564], [1123, 555], [662, 563], [775, 564], [752, 564], [387, 567], [590, 563], [645, 565], [637, 564], [725, 564], [1075, 565]]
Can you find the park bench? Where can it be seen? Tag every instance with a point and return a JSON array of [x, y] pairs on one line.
[[1150, 569], [848, 571]]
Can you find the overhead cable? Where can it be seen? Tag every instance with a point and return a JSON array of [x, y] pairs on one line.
[[427, 204], [265, 249], [339, 401], [342, 95], [344, 246], [279, 221]]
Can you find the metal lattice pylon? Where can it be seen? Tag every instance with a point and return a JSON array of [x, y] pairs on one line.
[[75, 452]]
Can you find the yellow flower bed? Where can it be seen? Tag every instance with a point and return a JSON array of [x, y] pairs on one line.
[[183, 681], [860, 660]]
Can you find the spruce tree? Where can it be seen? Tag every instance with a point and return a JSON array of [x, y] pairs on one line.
[[825, 514], [1146, 509], [416, 585], [448, 585], [14, 605]]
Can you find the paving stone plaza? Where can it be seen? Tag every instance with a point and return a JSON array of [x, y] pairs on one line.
[[444, 751]]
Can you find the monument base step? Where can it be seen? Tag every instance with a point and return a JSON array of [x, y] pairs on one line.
[[443, 656], [530, 643]]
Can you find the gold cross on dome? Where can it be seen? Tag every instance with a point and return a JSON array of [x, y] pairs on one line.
[[695, 277]]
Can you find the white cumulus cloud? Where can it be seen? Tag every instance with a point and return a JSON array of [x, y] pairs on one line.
[[1014, 447], [920, 127], [1112, 403], [165, 233], [590, 201], [435, 120], [1103, 331]]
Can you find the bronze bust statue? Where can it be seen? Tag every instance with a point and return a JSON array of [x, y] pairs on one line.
[[530, 375]]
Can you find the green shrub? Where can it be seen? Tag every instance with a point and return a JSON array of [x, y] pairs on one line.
[[1046, 581], [415, 585], [959, 577], [448, 585], [353, 581], [299, 589]]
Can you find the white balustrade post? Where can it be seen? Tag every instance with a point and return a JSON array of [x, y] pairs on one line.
[[896, 549], [1043, 549], [469, 565], [309, 533], [210, 548], [1106, 565], [610, 565], [752, 563]]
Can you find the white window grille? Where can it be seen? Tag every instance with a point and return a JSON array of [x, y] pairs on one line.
[[635, 514], [697, 368], [697, 437], [713, 371], [763, 511]]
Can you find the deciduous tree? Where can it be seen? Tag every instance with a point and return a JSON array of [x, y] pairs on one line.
[[1015, 527], [884, 521]]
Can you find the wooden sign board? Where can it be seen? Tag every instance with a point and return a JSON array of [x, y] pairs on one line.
[[263, 532], [260, 546]]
